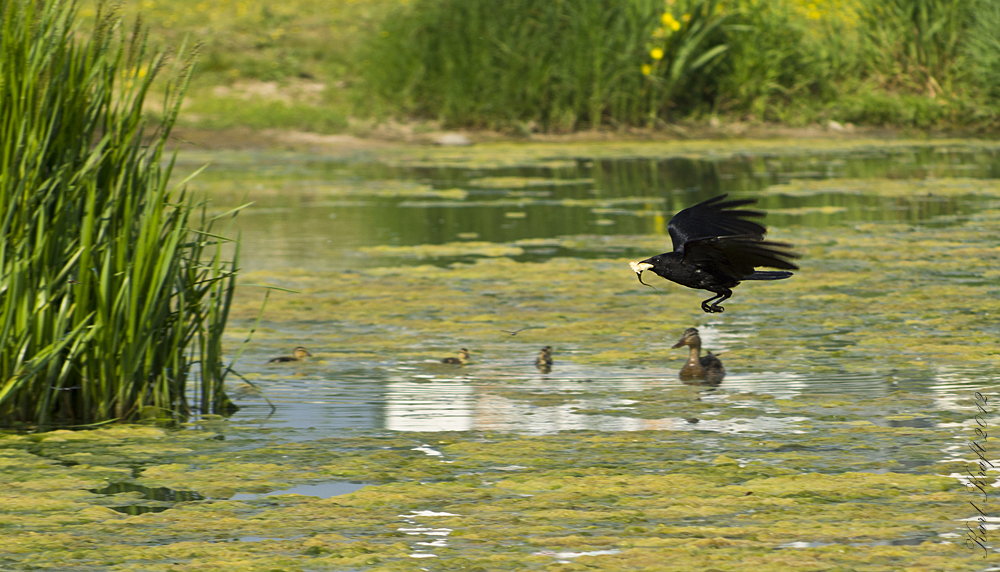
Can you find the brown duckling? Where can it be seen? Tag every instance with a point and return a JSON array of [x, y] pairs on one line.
[[707, 369], [462, 359], [544, 360], [298, 354]]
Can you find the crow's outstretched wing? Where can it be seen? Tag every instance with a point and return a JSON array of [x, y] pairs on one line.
[[713, 218], [737, 256]]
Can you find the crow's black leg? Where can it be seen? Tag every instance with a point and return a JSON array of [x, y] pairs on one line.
[[714, 307], [708, 309]]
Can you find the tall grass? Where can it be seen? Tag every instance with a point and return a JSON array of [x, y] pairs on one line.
[[980, 52], [785, 52], [113, 289], [569, 64], [562, 64], [916, 42]]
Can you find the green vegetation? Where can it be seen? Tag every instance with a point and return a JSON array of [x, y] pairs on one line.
[[589, 62], [526, 65], [114, 292]]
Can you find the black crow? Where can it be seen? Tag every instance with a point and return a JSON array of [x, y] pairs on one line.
[[717, 247]]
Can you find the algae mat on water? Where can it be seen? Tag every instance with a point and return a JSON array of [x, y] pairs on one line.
[[831, 482], [881, 298], [649, 500]]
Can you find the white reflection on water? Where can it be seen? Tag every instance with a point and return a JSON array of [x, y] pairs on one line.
[[513, 397], [431, 405]]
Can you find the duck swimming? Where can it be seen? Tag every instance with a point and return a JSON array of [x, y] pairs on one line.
[[707, 369], [298, 354], [544, 359], [462, 359]]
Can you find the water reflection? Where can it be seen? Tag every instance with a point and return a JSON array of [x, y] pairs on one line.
[[407, 398], [429, 404], [317, 214], [132, 499]]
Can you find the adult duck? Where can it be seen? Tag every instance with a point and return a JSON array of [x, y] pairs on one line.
[[707, 369]]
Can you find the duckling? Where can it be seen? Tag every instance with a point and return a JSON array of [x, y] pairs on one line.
[[706, 368], [462, 359], [299, 354], [544, 360]]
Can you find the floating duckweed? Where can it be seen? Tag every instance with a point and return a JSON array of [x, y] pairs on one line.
[[448, 250], [524, 182]]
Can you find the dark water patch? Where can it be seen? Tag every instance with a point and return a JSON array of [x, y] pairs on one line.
[[164, 498]]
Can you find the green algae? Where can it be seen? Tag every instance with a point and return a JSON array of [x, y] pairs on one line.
[[523, 182], [448, 250], [891, 297], [503, 498], [726, 479]]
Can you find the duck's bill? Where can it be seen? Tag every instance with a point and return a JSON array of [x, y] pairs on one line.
[[639, 268]]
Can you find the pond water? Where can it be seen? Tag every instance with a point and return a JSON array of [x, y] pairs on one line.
[[315, 212], [315, 217], [850, 394]]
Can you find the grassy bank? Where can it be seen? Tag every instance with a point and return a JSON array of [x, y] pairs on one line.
[[333, 66]]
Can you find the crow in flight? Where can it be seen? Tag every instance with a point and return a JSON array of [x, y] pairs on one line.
[[717, 247]]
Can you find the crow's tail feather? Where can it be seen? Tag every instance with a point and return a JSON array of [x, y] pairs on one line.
[[768, 275]]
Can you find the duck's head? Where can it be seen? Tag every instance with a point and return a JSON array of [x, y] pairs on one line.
[[464, 353], [301, 353], [690, 338], [547, 350]]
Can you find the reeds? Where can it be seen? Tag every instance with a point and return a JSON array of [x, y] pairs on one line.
[[917, 42], [113, 288], [559, 65]]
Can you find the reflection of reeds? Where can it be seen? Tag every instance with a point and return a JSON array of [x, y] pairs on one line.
[[113, 287]]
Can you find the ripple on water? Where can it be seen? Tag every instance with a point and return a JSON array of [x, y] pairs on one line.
[[512, 397]]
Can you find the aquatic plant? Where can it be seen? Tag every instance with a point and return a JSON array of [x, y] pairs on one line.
[[115, 291]]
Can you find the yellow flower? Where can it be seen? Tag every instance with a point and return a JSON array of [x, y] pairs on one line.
[[686, 17], [647, 69], [656, 54], [671, 22]]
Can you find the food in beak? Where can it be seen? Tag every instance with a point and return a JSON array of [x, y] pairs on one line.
[[638, 268]]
